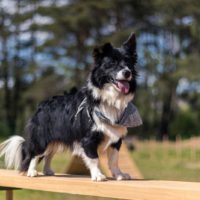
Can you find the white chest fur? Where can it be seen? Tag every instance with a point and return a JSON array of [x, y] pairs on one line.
[[112, 106], [112, 132]]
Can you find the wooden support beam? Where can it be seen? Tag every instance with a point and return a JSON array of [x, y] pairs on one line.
[[135, 189], [9, 194]]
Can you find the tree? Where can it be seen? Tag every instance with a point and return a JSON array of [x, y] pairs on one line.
[[50, 43]]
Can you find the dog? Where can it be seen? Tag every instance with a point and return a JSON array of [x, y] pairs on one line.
[[81, 120]]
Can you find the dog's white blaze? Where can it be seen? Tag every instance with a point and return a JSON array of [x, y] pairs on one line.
[[120, 75], [12, 149]]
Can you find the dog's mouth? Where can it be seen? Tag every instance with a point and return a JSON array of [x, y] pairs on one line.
[[122, 86]]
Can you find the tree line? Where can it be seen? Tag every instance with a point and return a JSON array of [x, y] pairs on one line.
[[46, 48]]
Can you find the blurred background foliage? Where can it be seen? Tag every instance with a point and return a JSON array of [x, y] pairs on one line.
[[46, 48]]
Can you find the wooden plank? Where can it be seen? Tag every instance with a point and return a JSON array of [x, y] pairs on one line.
[[135, 189], [126, 164]]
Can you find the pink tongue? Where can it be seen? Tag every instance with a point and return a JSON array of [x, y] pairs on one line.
[[123, 86]]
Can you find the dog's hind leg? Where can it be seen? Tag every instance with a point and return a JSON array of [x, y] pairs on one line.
[[47, 165], [32, 172]]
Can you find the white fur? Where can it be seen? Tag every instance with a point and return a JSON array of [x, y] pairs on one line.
[[52, 149], [81, 106], [77, 149], [11, 149], [113, 104], [113, 132], [120, 75], [111, 96], [111, 112], [32, 172], [113, 155], [92, 164]]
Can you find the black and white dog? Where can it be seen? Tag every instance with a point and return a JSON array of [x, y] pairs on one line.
[[81, 120]]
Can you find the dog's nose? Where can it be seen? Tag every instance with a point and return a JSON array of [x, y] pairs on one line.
[[126, 73]]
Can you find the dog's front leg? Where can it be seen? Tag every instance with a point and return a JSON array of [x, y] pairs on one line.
[[93, 165], [113, 154], [90, 157]]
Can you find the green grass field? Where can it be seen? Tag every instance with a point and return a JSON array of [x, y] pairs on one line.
[[169, 161], [166, 161]]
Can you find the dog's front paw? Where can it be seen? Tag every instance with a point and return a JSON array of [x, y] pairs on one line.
[[122, 176], [32, 173], [98, 177], [48, 172]]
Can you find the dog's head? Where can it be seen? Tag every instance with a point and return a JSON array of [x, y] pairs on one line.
[[114, 69]]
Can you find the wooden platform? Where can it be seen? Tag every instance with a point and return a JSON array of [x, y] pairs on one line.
[[135, 189]]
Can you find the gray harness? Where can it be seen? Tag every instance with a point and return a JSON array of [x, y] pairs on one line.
[[129, 118]]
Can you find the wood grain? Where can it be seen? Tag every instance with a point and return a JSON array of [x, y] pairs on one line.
[[135, 189]]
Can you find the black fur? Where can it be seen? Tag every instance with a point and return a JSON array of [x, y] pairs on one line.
[[117, 145], [107, 64], [56, 119]]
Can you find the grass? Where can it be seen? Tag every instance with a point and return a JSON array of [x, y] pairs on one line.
[[169, 161]]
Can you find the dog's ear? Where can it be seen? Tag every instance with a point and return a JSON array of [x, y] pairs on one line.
[[130, 45], [102, 51]]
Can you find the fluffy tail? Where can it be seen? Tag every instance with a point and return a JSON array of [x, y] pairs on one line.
[[11, 149]]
